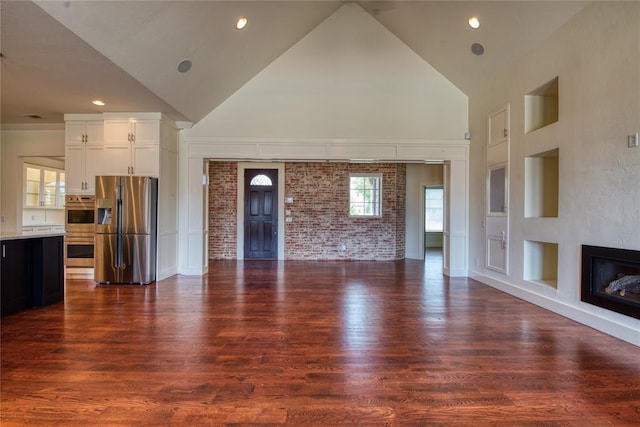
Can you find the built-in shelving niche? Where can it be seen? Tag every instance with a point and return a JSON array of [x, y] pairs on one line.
[[541, 106], [541, 263], [541, 184]]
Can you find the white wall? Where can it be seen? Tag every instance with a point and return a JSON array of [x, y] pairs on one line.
[[596, 57], [348, 78], [16, 143]]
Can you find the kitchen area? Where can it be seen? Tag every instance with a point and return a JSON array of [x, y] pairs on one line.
[[49, 194], [56, 238], [32, 256]]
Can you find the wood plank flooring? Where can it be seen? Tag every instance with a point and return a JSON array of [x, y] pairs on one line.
[[310, 343]]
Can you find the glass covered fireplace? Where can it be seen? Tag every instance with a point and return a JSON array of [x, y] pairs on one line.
[[611, 279]]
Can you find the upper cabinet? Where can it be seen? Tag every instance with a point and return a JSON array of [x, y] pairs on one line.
[[84, 132], [111, 144], [132, 146], [84, 138], [43, 187], [499, 126]]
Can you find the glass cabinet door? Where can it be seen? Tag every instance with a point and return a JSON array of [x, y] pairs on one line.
[[498, 191], [43, 187], [61, 189], [50, 188]]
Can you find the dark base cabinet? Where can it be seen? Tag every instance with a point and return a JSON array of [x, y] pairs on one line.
[[32, 273], [15, 275], [48, 283]]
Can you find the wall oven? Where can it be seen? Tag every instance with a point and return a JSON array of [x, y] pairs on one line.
[[80, 230], [78, 251], [80, 210]]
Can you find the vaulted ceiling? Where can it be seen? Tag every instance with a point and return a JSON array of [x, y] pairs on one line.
[[58, 56]]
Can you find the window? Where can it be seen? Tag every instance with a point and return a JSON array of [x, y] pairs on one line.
[[434, 209], [261, 180], [365, 195], [43, 187]]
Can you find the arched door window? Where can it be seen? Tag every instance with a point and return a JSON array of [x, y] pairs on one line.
[[261, 180]]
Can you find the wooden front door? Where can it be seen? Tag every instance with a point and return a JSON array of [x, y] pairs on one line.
[[260, 213]]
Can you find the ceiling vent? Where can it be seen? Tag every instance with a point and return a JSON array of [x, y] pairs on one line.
[[477, 49], [184, 65]]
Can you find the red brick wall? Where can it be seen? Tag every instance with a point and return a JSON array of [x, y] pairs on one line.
[[320, 212], [401, 209], [223, 212], [321, 227]]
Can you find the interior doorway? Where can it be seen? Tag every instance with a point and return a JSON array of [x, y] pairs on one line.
[[433, 216], [434, 212]]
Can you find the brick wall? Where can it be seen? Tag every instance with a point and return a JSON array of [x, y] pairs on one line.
[[321, 228], [401, 209], [223, 212]]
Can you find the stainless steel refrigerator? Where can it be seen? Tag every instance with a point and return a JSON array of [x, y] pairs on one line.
[[126, 218]]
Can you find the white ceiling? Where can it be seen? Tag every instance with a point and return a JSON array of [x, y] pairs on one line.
[[57, 56]]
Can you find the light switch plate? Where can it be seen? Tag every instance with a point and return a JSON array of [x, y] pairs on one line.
[[633, 140]]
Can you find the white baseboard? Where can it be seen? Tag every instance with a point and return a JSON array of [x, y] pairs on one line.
[[593, 320]]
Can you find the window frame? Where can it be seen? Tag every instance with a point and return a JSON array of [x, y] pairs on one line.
[[426, 189], [379, 191], [60, 187]]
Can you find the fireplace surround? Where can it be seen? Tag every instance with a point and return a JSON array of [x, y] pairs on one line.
[[601, 266]]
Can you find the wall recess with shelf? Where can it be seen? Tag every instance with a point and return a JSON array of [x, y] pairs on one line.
[[541, 106], [541, 184], [541, 263]]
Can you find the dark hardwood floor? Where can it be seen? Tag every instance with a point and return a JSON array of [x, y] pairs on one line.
[[311, 343]]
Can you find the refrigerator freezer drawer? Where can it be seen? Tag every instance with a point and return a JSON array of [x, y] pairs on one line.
[[138, 259], [104, 258], [136, 264]]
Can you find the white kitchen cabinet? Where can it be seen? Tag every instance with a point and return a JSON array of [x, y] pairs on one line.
[[132, 147], [84, 132], [83, 163], [41, 228], [84, 139]]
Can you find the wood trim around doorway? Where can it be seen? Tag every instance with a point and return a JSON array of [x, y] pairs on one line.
[[240, 201]]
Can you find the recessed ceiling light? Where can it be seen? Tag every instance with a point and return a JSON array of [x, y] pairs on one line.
[[242, 22], [98, 103], [184, 65], [474, 22]]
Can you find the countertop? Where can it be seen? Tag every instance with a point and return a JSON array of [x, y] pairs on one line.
[[15, 235]]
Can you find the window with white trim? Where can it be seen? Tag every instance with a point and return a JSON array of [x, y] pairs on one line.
[[434, 209], [365, 195]]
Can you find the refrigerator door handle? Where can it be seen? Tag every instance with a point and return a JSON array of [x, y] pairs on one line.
[[118, 260], [119, 226]]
